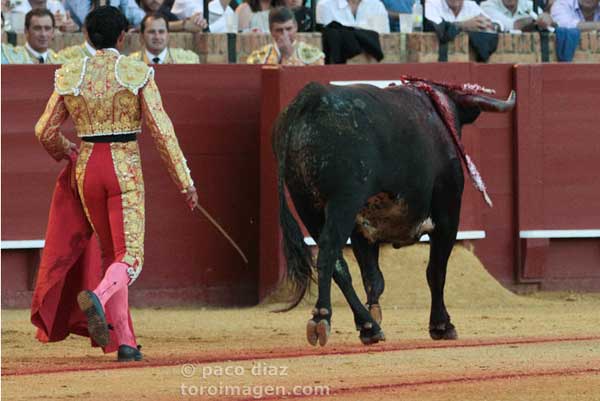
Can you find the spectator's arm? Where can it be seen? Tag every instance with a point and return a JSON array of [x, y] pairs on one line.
[[491, 11], [244, 16], [564, 15]]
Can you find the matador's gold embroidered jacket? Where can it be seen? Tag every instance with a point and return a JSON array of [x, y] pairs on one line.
[[109, 94]]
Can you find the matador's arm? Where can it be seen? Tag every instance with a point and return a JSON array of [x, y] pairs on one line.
[[164, 137], [47, 129]]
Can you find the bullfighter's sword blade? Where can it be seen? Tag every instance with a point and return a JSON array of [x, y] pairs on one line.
[[222, 231]]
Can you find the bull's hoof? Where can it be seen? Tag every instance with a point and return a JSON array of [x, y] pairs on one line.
[[443, 332], [375, 311], [371, 335], [318, 332]]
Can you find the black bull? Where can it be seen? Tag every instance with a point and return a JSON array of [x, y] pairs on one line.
[[378, 166]]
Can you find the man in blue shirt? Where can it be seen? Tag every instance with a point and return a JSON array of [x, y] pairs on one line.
[[395, 7], [80, 8]]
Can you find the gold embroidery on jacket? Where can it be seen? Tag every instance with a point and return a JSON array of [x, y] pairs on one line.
[[164, 137], [47, 129]]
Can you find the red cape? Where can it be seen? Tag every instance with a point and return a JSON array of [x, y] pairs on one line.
[[71, 262]]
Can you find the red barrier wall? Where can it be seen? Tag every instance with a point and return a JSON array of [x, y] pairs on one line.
[[215, 111], [539, 164]]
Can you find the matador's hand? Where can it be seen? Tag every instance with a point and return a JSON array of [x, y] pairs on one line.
[[191, 197], [72, 152]]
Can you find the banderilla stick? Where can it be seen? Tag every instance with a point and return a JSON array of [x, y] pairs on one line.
[[222, 231]]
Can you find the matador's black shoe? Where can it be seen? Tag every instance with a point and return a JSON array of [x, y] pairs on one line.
[[97, 327], [129, 354]]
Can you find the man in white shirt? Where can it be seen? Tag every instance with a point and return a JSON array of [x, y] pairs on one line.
[[366, 14], [466, 14], [39, 32], [221, 17], [515, 15]]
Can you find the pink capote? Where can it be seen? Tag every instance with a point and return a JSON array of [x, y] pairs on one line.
[[71, 262]]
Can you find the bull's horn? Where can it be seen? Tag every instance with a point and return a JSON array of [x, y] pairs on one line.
[[491, 104]]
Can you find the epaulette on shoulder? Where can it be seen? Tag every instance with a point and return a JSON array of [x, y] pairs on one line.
[[71, 53], [136, 56], [183, 56], [259, 56], [68, 78], [309, 54], [132, 74]]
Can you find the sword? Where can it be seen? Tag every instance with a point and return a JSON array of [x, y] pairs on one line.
[[222, 231]]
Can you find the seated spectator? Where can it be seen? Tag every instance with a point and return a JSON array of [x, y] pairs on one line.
[[191, 14], [62, 19], [79, 9], [154, 35], [465, 14], [395, 8], [39, 32], [285, 49], [301, 13], [516, 15], [366, 14], [581, 14], [253, 15]]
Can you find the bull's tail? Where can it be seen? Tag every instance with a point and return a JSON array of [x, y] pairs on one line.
[[300, 264]]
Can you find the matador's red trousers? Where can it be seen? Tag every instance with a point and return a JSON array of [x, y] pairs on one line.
[[111, 187]]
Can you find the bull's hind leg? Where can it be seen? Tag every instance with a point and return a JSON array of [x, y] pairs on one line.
[[339, 221], [370, 331], [446, 217], [367, 256]]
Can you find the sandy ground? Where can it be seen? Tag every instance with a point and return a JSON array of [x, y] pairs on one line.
[[540, 347]]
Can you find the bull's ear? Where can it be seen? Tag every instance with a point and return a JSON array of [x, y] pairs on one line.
[[470, 106]]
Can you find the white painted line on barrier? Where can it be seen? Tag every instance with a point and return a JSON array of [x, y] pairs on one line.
[[24, 244], [559, 234], [461, 235]]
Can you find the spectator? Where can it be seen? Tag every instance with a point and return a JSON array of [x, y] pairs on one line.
[[79, 9], [301, 13], [253, 15], [39, 32], [369, 14], [395, 8], [154, 35], [465, 14], [581, 14], [193, 23], [62, 19], [516, 15], [285, 49]]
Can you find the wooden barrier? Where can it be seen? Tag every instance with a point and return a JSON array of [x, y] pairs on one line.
[[539, 164]]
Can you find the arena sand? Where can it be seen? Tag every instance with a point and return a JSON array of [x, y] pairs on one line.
[[539, 347]]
